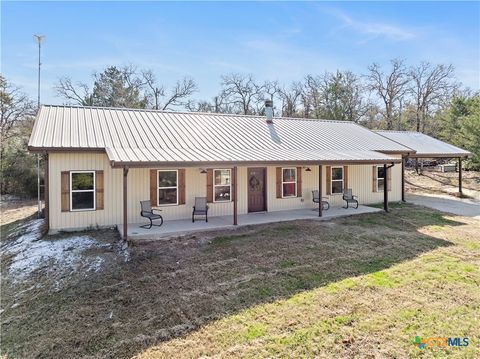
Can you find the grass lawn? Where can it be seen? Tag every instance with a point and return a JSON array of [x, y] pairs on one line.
[[362, 286]]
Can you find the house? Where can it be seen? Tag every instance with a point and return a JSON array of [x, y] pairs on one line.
[[102, 161]]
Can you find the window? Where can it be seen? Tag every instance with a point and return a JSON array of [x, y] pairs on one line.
[[82, 191], [289, 182], [167, 187], [337, 179], [380, 178], [222, 185]]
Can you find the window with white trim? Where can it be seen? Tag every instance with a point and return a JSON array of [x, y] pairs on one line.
[[380, 178], [337, 179], [82, 190], [222, 185], [167, 187], [289, 182]]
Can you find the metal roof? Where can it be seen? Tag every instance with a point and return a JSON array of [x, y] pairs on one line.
[[144, 136], [424, 145]]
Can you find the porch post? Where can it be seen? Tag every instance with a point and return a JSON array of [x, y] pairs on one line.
[[403, 178], [235, 214], [460, 176], [320, 190], [125, 202], [47, 194], [385, 188]]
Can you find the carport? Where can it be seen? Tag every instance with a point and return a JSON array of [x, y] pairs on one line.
[[424, 146]]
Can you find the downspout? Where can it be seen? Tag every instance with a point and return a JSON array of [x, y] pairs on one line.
[[125, 204]]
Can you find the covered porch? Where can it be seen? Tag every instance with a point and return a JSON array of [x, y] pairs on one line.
[[180, 227]]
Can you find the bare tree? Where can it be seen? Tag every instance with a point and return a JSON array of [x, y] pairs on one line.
[[156, 91], [431, 86], [390, 87], [242, 91], [354, 103], [78, 93], [219, 104], [15, 106], [180, 92], [178, 96], [311, 96], [291, 98]]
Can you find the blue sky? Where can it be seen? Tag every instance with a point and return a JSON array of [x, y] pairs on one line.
[[272, 40]]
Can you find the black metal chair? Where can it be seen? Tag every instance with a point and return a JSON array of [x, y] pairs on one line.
[[349, 197], [316, 199], [200, 208], [147, 212]]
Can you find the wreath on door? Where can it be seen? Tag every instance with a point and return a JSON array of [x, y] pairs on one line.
[[254, 183]]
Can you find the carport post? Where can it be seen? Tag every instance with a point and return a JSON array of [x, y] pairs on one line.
[[385, 188], [460, 175], [125, 193], [320, 190]]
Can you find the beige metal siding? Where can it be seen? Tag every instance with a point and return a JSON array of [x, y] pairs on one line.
[[360, 180]]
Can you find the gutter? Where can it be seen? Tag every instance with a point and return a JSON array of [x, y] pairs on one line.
[[138, 164]]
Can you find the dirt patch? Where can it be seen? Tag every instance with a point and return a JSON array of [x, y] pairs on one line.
[[434, 182], [170, 289], [14, 210]]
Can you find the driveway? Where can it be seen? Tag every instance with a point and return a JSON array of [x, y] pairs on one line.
[[460, 206]]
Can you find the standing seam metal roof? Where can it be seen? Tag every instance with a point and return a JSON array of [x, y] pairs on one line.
[[132, 135], [424, 145]]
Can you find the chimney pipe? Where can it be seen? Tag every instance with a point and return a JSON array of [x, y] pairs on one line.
[[269, 111]]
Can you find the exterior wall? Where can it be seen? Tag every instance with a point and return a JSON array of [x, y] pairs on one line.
[[359, 179]]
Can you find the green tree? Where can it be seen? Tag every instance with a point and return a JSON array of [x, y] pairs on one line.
[[18, 168], [15, 106], [17, 165], [126, 87], [118, 88], [461, 126], [114, 87]]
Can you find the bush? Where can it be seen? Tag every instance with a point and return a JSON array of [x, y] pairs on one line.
[[18, 169]]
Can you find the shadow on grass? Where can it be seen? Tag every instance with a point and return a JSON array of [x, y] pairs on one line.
[[170, 288]]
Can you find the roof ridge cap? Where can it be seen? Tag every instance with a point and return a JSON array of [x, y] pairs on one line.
[[129, 109]]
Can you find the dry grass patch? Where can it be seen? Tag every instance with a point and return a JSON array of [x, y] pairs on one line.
[[362, 286]]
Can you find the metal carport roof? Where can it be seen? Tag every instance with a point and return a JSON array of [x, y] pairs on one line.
[[425, 146]]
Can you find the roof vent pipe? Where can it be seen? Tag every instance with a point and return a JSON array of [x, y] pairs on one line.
[[269, 111]]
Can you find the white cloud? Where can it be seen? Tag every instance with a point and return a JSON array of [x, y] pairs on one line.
[[373, 29]]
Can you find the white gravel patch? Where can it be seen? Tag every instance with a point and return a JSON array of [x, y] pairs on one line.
[[29, 252]]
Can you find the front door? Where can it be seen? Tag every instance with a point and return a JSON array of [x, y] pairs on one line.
[[256, 189]]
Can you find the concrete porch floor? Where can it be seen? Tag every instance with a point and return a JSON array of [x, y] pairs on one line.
[[174, 228]]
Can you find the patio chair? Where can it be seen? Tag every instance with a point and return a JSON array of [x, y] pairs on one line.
[[316, 199], [200, 208], [147, 212], [349, 197]]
